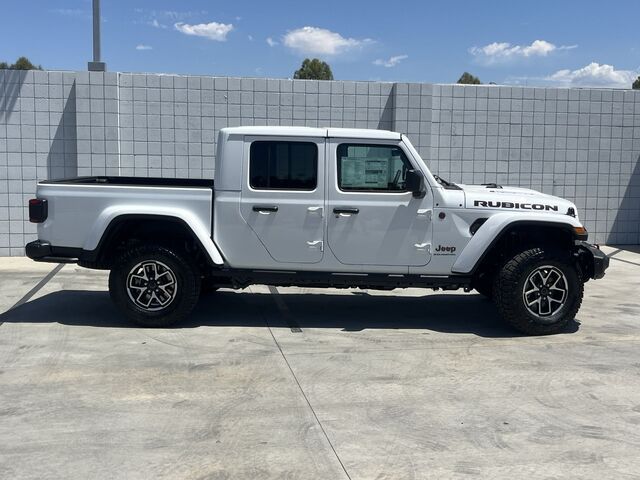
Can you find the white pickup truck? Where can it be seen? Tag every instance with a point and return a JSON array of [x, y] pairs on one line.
[[318, 207]]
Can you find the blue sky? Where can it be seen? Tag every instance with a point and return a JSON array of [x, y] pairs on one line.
[[562, 43]]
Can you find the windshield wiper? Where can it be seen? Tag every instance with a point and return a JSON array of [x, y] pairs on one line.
[[446, 184], [442, 181]]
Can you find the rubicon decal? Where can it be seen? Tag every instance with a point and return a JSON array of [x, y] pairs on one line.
[[516, 205]]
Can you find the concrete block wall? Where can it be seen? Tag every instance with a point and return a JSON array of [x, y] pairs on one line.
[[169, 124], [37, 140], [582, 144]]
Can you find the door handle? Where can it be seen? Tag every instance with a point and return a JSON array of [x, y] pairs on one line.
[[265, 209], [346, 211]]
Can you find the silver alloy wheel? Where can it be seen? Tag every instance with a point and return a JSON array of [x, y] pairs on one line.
[[152, 285], [545, 291]]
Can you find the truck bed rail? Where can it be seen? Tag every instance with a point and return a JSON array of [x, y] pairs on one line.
[[135, 181]]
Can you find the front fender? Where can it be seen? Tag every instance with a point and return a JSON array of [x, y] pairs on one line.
[[496, 225], [200, 228]]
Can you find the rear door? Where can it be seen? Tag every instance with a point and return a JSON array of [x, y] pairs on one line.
[[283, 197], [372, 219]]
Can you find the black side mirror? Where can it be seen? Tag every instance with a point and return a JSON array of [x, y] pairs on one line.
[[414, 182]]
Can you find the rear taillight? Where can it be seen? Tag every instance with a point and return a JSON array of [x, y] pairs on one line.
[[38, 210]]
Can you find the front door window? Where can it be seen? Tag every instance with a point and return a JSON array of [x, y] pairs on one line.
[[371, 168]]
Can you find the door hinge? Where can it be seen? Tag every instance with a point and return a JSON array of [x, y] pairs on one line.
[[423, 247], [316, 210], [316, 244], [425, 212]]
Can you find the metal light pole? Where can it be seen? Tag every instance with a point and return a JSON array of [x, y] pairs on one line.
[[97, 65]]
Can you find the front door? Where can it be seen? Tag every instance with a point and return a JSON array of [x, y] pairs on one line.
[[372, 218], [283, 197]]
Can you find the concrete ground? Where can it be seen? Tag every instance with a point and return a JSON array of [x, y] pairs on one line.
[[314, 384]]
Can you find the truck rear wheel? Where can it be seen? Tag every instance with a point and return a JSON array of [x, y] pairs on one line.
[[154, 286], [538, 291]]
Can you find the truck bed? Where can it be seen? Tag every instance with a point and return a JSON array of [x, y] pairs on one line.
[[134, 181], [80, 209]]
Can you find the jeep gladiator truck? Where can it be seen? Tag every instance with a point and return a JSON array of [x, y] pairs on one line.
[[318, 207]]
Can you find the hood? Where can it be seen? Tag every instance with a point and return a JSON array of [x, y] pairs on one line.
[[514, 198]]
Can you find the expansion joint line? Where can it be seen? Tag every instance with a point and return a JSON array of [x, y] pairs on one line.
[[304, 395], [38, 286]]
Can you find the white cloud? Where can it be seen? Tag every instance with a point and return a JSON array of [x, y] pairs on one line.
[[320, 41], [177, 16], [156, 24], [503, 51], [271, 42], [390, 62], [213, 30], [144, 47], [163, 18], [594, 75]]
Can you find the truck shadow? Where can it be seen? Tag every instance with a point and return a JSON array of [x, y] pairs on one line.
[[351, 312]]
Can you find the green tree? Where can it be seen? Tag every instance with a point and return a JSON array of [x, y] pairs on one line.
[[469, 79], [22, 63], [314, 69], [636, 84]]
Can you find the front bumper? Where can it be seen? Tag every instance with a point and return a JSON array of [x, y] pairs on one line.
[[594, 261]]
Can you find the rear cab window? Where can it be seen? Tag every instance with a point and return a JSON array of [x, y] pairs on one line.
[[283, 165]]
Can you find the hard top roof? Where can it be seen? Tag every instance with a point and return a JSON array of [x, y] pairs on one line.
[[313, 132]]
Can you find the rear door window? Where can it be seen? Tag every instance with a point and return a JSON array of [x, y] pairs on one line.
[[279, 165]]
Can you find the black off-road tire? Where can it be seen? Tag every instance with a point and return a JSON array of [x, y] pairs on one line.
[[508, 291], [186, 276]]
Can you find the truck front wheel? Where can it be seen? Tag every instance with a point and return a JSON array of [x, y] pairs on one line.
[[538, 291], [154, 286]]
